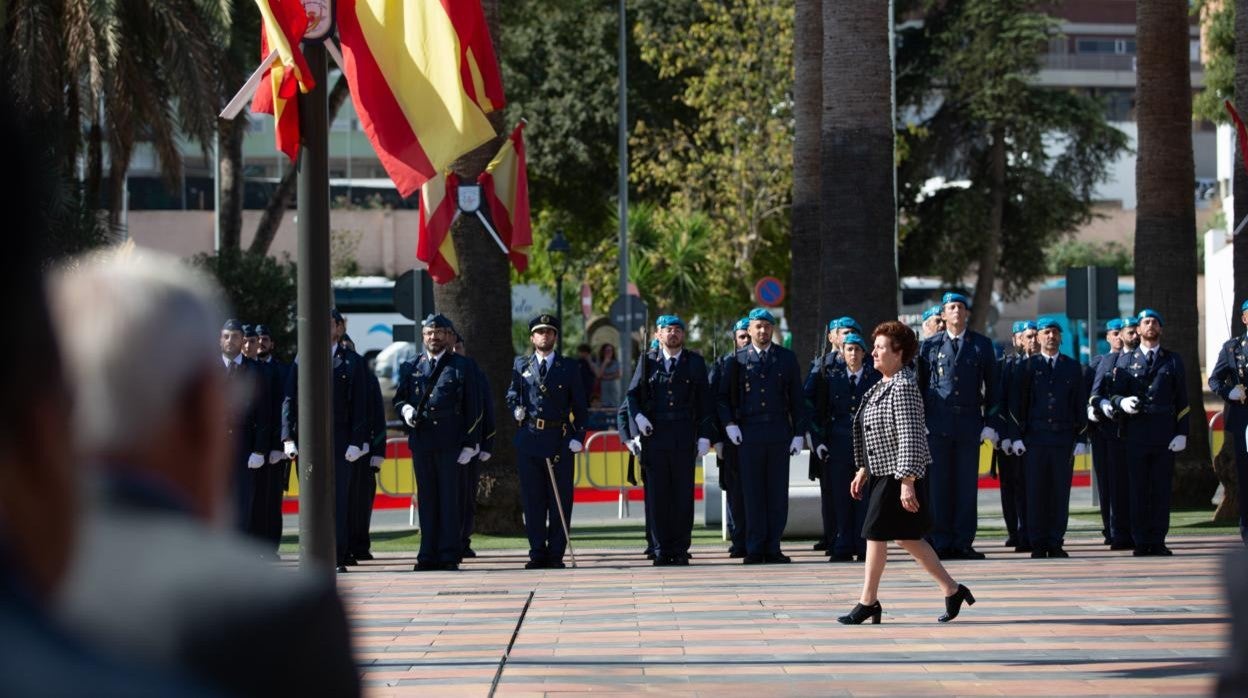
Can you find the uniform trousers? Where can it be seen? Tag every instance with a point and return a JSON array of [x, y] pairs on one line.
[[1012, 474], [735, 511], [363, 491], [1120, 492], [1150, 469], [838, 472], [1236, 426], [438, 479], [245, 495], [468, 504], [647, 507], [1049, 469], [953, 485], [765, 485], [1104, 481], [669, 476], [827, 504], [547, 542]]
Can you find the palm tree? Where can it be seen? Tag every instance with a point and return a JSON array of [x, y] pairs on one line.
[[857, 198], [1165, 224], [805, 319], [1240, 178]]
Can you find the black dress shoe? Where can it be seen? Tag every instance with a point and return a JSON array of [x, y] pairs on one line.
[[341, 569], [753, 560], [426, 567], [860, 557], [363, 556], [1142, 551], [861, 614], [1121, 546], [449, 566], [1010, 542], [1025, 548], [953, 604], [535, 565], [556, 564], [841, 557], [469, 552], [663, 561], [1162, 550], [649, 553], [350, 561], [736, 553], [1036, 554], [821, 545], [777, 559], [969, 554], [680, 560], [1058, 552], [945, 554]]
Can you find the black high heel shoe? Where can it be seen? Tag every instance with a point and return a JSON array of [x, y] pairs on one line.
[[861, 613], [953, 604]]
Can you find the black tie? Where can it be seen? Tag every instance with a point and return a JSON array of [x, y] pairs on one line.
[[671, 364], [956, 344], [1151, 354], [1052, 364], [541, 369]]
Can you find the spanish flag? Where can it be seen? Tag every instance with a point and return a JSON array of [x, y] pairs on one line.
[[423, 76], [434, 246], [505, 187], [284, 24]]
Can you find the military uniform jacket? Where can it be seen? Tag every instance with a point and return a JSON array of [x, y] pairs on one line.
[[1047, 405], [255, 432], [768, 404], [841, 399], [678, 403], [449, 412], [960, 390], [714, 375], [558, 402], [488, 427], [350, 401], [279, 378], [1163, 408], [376, 417], [1230, 370], [1005, 376]]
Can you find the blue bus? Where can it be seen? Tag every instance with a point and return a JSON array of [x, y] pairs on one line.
[[1052, 304]]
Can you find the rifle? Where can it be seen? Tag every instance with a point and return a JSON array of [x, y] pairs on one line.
[[642, 389]]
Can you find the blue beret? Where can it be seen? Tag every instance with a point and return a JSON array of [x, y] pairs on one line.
[[1130, 321], [932, 312], [1049, 323], [1030, 325], [1112, 325], [250, 331], [263, 330], [848, 322], [855, 338], [232, 325], [742, 324], [952, 297], [763, 315], [654, 345], [1243, 306], [669, 320], [333, 313], [1149, 312], [545, 321], [1018, 326], [834, 324], [437, 321]]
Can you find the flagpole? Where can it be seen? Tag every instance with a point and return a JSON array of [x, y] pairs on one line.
[[316, 456], [626, 348]]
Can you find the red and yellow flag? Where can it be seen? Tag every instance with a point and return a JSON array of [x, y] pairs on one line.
[[505, 187], [434, 246], [284, 24], [423, 76]]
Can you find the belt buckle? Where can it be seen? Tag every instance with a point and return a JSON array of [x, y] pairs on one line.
[[539, 423]]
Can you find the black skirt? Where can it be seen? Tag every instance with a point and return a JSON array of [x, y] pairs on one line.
[[886, 518]]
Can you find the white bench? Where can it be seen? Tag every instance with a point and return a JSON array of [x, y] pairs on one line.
[[805, 519]]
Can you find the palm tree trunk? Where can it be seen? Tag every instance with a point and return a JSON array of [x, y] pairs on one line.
[[230, 176], [991, 254], [95, 162], [1165, 228], [806, 318], [857, 199], [284, 195], [1240, 177]]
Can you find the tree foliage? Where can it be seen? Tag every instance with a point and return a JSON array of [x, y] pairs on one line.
[[261, 289], [1219, 45]]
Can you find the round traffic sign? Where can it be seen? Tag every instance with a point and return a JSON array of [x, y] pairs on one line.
[[769, 291]]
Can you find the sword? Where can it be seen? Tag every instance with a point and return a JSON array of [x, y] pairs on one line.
[[550, 470]]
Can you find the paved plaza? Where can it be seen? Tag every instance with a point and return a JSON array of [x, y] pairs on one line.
[[1099, 623]]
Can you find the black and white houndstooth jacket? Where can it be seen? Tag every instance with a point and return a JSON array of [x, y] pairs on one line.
[[890, 436]]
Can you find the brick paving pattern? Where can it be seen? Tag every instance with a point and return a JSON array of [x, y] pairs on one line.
[[1099, 623]]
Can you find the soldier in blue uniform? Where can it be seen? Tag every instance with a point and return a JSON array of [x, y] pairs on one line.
[[1009, 466], [1098, 430], [439, 399], [1228, 380], [1048, 423], [548, 401], [725, 451], [829, 359], [276, 472], [933, 322], [1112, 428], [364, 471], [1147, 386], [472, 474], [670, 400], [764, 414], [251, 431], [958, 378], [835, 394], [350, 423]]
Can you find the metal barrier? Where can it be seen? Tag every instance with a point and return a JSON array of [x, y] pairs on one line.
[[582, 462], [391, 476], [1213, 420]]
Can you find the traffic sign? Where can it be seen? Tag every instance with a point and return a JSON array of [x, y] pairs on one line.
[[413, 294], [633, 321], [769, 291]]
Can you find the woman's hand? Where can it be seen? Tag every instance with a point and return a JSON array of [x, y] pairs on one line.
[[909, 499], [859, 482]]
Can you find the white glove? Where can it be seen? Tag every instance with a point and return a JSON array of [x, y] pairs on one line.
[[465, 455], [290, 450], [821, 452], [364, 449], [375, 462], [1130, 405], [704, 445], [1107, 409], [719, 449], [1236, 394], [1007, 447], [636, 442], [353, 454], [989, 434], [1093, 415], [276, 457], [409, 415], [796, 446], [519, 413], [1019, 447], [734, 434], [1081, 449], [1178, 443], [483, 456], [255, 460], [575, 446], [644, 427]]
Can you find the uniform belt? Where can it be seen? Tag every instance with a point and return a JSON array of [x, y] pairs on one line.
[[1156, 409], [674, 415], [544, 424]]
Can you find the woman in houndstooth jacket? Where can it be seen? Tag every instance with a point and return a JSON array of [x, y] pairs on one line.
[[890, 450]]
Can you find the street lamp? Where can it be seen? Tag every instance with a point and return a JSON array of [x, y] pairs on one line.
[[559, 249]]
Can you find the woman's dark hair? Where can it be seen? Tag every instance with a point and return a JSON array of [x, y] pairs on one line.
[[602, 351], [900, 336]]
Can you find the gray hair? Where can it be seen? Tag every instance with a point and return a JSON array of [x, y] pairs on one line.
[[104, 305]]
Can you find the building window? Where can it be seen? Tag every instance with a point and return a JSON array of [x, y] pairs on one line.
[[1115, 46]]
